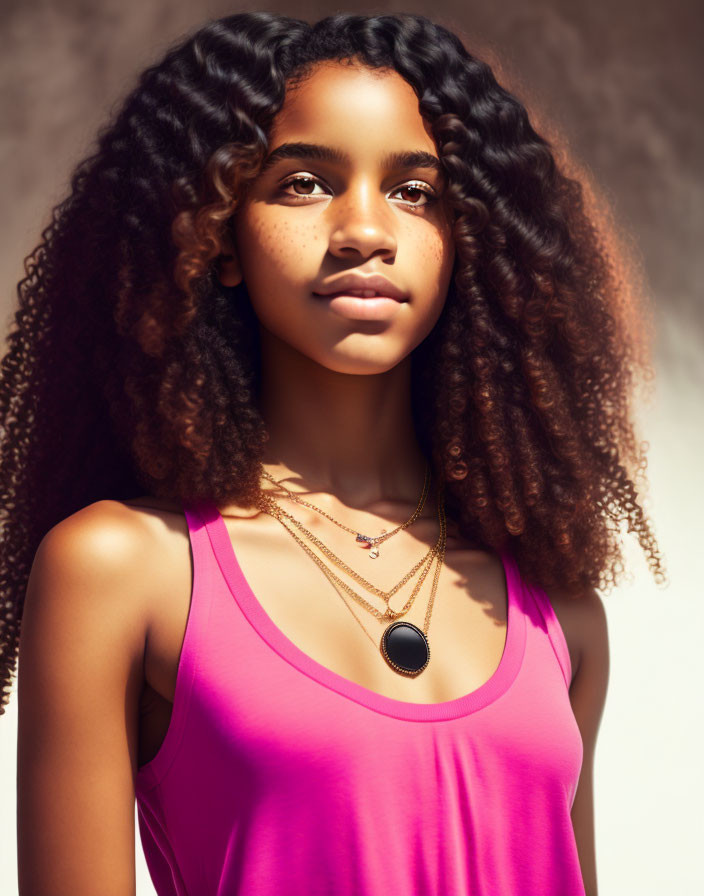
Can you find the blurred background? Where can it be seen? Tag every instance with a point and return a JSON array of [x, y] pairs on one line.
[[620, 81]]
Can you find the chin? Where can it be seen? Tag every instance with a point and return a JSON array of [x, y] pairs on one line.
[[367, 363]]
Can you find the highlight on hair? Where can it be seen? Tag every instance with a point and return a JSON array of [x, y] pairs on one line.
[[131, 369]]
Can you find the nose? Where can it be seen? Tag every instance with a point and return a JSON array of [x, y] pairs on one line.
[[363, 222]]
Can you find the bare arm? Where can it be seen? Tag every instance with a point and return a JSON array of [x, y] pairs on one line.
[[79, 681], [588, 696]]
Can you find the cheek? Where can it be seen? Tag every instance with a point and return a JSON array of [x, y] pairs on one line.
[[275, 252], [434, 256], [433, 252]]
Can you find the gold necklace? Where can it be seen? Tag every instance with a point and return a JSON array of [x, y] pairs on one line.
[[268, 504], [276, 511], [403, 645], [371, 542]]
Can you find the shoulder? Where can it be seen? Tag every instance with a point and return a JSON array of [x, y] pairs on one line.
[[110, 551], [84, 602], [105, 535], [582, 618], [94, 540], [591, 676]]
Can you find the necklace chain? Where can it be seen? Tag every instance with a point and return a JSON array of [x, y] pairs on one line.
[[369, 541], [268, 505]]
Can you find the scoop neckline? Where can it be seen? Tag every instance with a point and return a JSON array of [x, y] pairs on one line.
[[498, 683]]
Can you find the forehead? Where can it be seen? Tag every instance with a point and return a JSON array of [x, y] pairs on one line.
[[352, 106]]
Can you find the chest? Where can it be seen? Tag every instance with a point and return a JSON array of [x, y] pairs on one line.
[[466, 633]]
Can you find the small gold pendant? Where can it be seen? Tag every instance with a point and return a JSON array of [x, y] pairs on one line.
[[364, 541]]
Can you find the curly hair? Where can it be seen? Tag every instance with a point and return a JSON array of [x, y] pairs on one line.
[[130, 367]]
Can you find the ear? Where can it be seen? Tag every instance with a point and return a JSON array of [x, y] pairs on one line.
[[230, 273]]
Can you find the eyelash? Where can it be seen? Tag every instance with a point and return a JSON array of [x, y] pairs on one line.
[[418, 185]]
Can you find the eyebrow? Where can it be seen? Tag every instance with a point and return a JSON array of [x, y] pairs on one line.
[[417, 158]]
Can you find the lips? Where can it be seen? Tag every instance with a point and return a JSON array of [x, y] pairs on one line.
[[356, 308], [362, 286], [358, 294]]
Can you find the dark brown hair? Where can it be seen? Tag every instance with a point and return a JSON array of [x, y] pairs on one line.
[[130, 368]]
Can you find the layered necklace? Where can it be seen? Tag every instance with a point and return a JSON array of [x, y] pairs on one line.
[[404, 646]]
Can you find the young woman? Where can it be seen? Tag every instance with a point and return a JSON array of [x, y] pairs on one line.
[[317, 444]]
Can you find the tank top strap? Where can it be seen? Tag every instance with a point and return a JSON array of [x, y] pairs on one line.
[[209, 542], [548, 621], [208, 581], [193, 646], [197, 515]]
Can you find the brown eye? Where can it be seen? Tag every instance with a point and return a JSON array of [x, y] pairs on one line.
[[307, 182], [413, 191]]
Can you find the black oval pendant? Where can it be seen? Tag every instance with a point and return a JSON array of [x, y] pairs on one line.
[[405, 648]]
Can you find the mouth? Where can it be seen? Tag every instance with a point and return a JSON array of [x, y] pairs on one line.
[[361, 304], [357, 294], [363, 286]]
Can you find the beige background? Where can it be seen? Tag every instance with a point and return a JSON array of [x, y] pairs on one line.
[[620, 79]]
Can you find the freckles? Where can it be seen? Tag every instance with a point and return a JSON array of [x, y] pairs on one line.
[[293, 237], [433, 251], [431, 241], [273, 238], [285, 243]]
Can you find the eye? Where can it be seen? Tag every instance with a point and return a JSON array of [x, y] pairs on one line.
[[299, 179], [417, 188]]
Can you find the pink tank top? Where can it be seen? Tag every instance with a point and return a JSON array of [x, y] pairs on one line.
[[279, 776]]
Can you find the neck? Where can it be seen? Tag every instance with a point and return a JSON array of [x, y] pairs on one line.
[[349, 435]]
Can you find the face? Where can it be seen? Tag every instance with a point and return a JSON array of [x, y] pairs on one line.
[[311, 218]]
